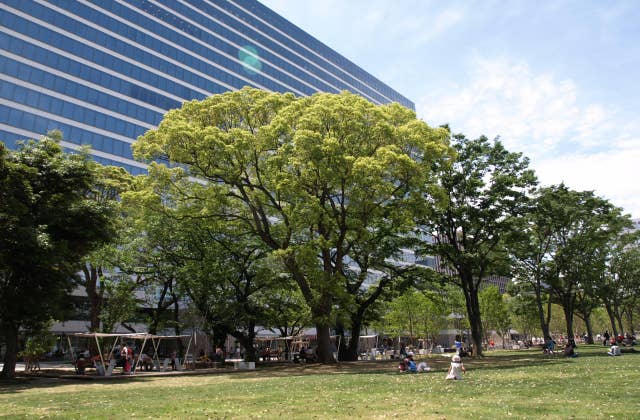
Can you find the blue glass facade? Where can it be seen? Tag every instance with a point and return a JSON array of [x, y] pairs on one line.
[[105, 71]]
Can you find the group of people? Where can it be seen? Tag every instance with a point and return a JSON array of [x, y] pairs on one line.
[[569, 350], [409, 365], [620, 339], [306, 354], [455, 372]]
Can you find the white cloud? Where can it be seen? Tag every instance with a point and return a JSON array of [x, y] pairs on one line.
[[586, 145], [612, 175]]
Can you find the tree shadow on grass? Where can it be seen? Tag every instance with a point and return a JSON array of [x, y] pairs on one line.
[[438, 364]]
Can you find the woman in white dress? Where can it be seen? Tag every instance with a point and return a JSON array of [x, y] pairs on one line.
[[456, 369]]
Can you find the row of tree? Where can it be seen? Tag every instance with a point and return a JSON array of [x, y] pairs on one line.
[[266, 209]]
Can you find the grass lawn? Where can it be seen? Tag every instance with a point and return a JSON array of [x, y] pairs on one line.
[[518, 384]]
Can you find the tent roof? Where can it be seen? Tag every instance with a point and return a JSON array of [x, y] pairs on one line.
[[138, 336]]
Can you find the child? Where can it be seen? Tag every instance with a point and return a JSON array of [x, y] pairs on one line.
[[456, 369]]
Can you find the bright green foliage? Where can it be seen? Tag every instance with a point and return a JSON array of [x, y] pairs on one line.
[[495, 311], [47, 225], [121, 303], [310, 177], [416, 315], [524, 312]]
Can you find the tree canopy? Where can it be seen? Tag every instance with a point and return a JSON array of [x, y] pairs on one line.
[[310, 177], [47, 225], [483, 193]]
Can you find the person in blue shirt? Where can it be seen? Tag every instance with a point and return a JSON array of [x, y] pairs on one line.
[[411, 366], [458, 344]]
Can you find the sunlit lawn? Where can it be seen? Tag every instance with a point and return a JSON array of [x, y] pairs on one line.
[[518, 384]]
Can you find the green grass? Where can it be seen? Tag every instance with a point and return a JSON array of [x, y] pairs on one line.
[[518, 384]]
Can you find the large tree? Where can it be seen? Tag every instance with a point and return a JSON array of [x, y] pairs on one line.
[[47, 225], [619, 287], [309, 177], [581, 226], [484, 192]]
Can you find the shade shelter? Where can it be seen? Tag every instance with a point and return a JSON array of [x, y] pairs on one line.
[[106, 362], [156, 340]]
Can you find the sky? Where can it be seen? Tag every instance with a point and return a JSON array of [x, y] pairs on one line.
[[558, 81]]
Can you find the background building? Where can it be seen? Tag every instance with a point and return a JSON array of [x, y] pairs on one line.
[[105, 71]]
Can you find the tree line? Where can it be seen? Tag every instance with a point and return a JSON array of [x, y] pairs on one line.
[[263, 209]]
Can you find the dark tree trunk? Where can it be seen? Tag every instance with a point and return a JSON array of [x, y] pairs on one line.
[[612, 319], [544, 324], [568, 299], [343, 351], [323, 331], [587, 323], [351, 350], [11, 355], [220, 332], [176, 315], [548, 320], [246, 340], [619, 319], [473, 310], [95, 294], [629, 315], [568, 317]]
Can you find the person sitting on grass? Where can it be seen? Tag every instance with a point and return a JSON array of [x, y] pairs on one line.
[[456, 369], [570, 349], [422, 367], [403, 366], [615, 351], [411, 365], [549, 347]]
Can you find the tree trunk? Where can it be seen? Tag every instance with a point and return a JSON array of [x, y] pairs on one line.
[[320, 310], [619, 319], [548, 320], [587, 323], [630, 322], [247, 341], [544, 325], [568, 317], [351, 353], [612, 319], [344, 347], [95, 294], [324, 350], [11, 354], [473, 311]]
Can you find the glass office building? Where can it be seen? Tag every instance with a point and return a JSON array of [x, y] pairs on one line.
[[105, 71]]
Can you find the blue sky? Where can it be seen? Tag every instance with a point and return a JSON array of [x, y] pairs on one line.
[[558, 81]]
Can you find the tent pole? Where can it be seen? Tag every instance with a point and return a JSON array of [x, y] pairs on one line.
[[184, 359], [144, 341], [73, 356], [100, 353], [156, 344]]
